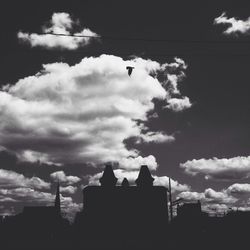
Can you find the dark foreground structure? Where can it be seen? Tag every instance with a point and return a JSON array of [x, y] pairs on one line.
[[124, 217], [133, 212]]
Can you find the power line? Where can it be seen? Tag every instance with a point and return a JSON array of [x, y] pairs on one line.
[[150, 39]]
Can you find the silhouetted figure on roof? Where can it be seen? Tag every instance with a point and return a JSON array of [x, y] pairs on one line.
[[144, 178], [130, 69], [125, 182], [108, 178]]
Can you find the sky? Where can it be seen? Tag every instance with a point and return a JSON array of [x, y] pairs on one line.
[[68, 106]]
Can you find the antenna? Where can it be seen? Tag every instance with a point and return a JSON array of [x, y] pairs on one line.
[[170, 199]]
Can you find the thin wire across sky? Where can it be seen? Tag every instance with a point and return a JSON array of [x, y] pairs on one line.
[[150, 39]]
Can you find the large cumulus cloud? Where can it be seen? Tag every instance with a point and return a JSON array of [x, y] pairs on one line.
[[84, 112]]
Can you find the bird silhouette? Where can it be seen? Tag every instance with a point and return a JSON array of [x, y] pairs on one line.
[[130, 69]]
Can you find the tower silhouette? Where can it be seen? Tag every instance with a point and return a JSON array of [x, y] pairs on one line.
[[108, 178], [58, 200], [125, 182], [144, 178]]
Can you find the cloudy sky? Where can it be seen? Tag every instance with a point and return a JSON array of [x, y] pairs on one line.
[[68, 106]]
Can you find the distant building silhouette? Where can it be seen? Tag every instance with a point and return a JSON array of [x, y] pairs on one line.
[[46, 212], [190, 220], [39, 222], [189, 210]]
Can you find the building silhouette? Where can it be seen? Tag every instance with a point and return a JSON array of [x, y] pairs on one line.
[[44, 214], [189, 210], [36, 223], [131, 211]]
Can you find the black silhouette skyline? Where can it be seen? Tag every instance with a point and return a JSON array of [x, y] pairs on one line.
[[122, 216]]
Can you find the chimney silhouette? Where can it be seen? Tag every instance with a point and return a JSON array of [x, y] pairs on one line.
[[108, 178], [57, 199], [144, 178]]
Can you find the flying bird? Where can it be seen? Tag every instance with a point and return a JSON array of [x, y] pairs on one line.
[[130, 69]]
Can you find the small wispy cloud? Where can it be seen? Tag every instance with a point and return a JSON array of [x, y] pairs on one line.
[[179, 104], [234, 25], [63, 24]]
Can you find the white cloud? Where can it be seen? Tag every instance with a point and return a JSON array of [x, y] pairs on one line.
[[59, 176], [239, 188], [212, 201], [173, 82], [179, 104], [68, 190], [70, 209], [219, 197], [234, 197], [208, 196], [191, 196], [239, 208], [136, 162], [175, 72], [158, 137], [223, 169], [4, 199], [60, 23], [120, 175], [83, 113], [175, 185], [132, 176], [93, 180], [234, 25], [11, 179], [153, 116], [32, 156], [215, 209], [28, 195]]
